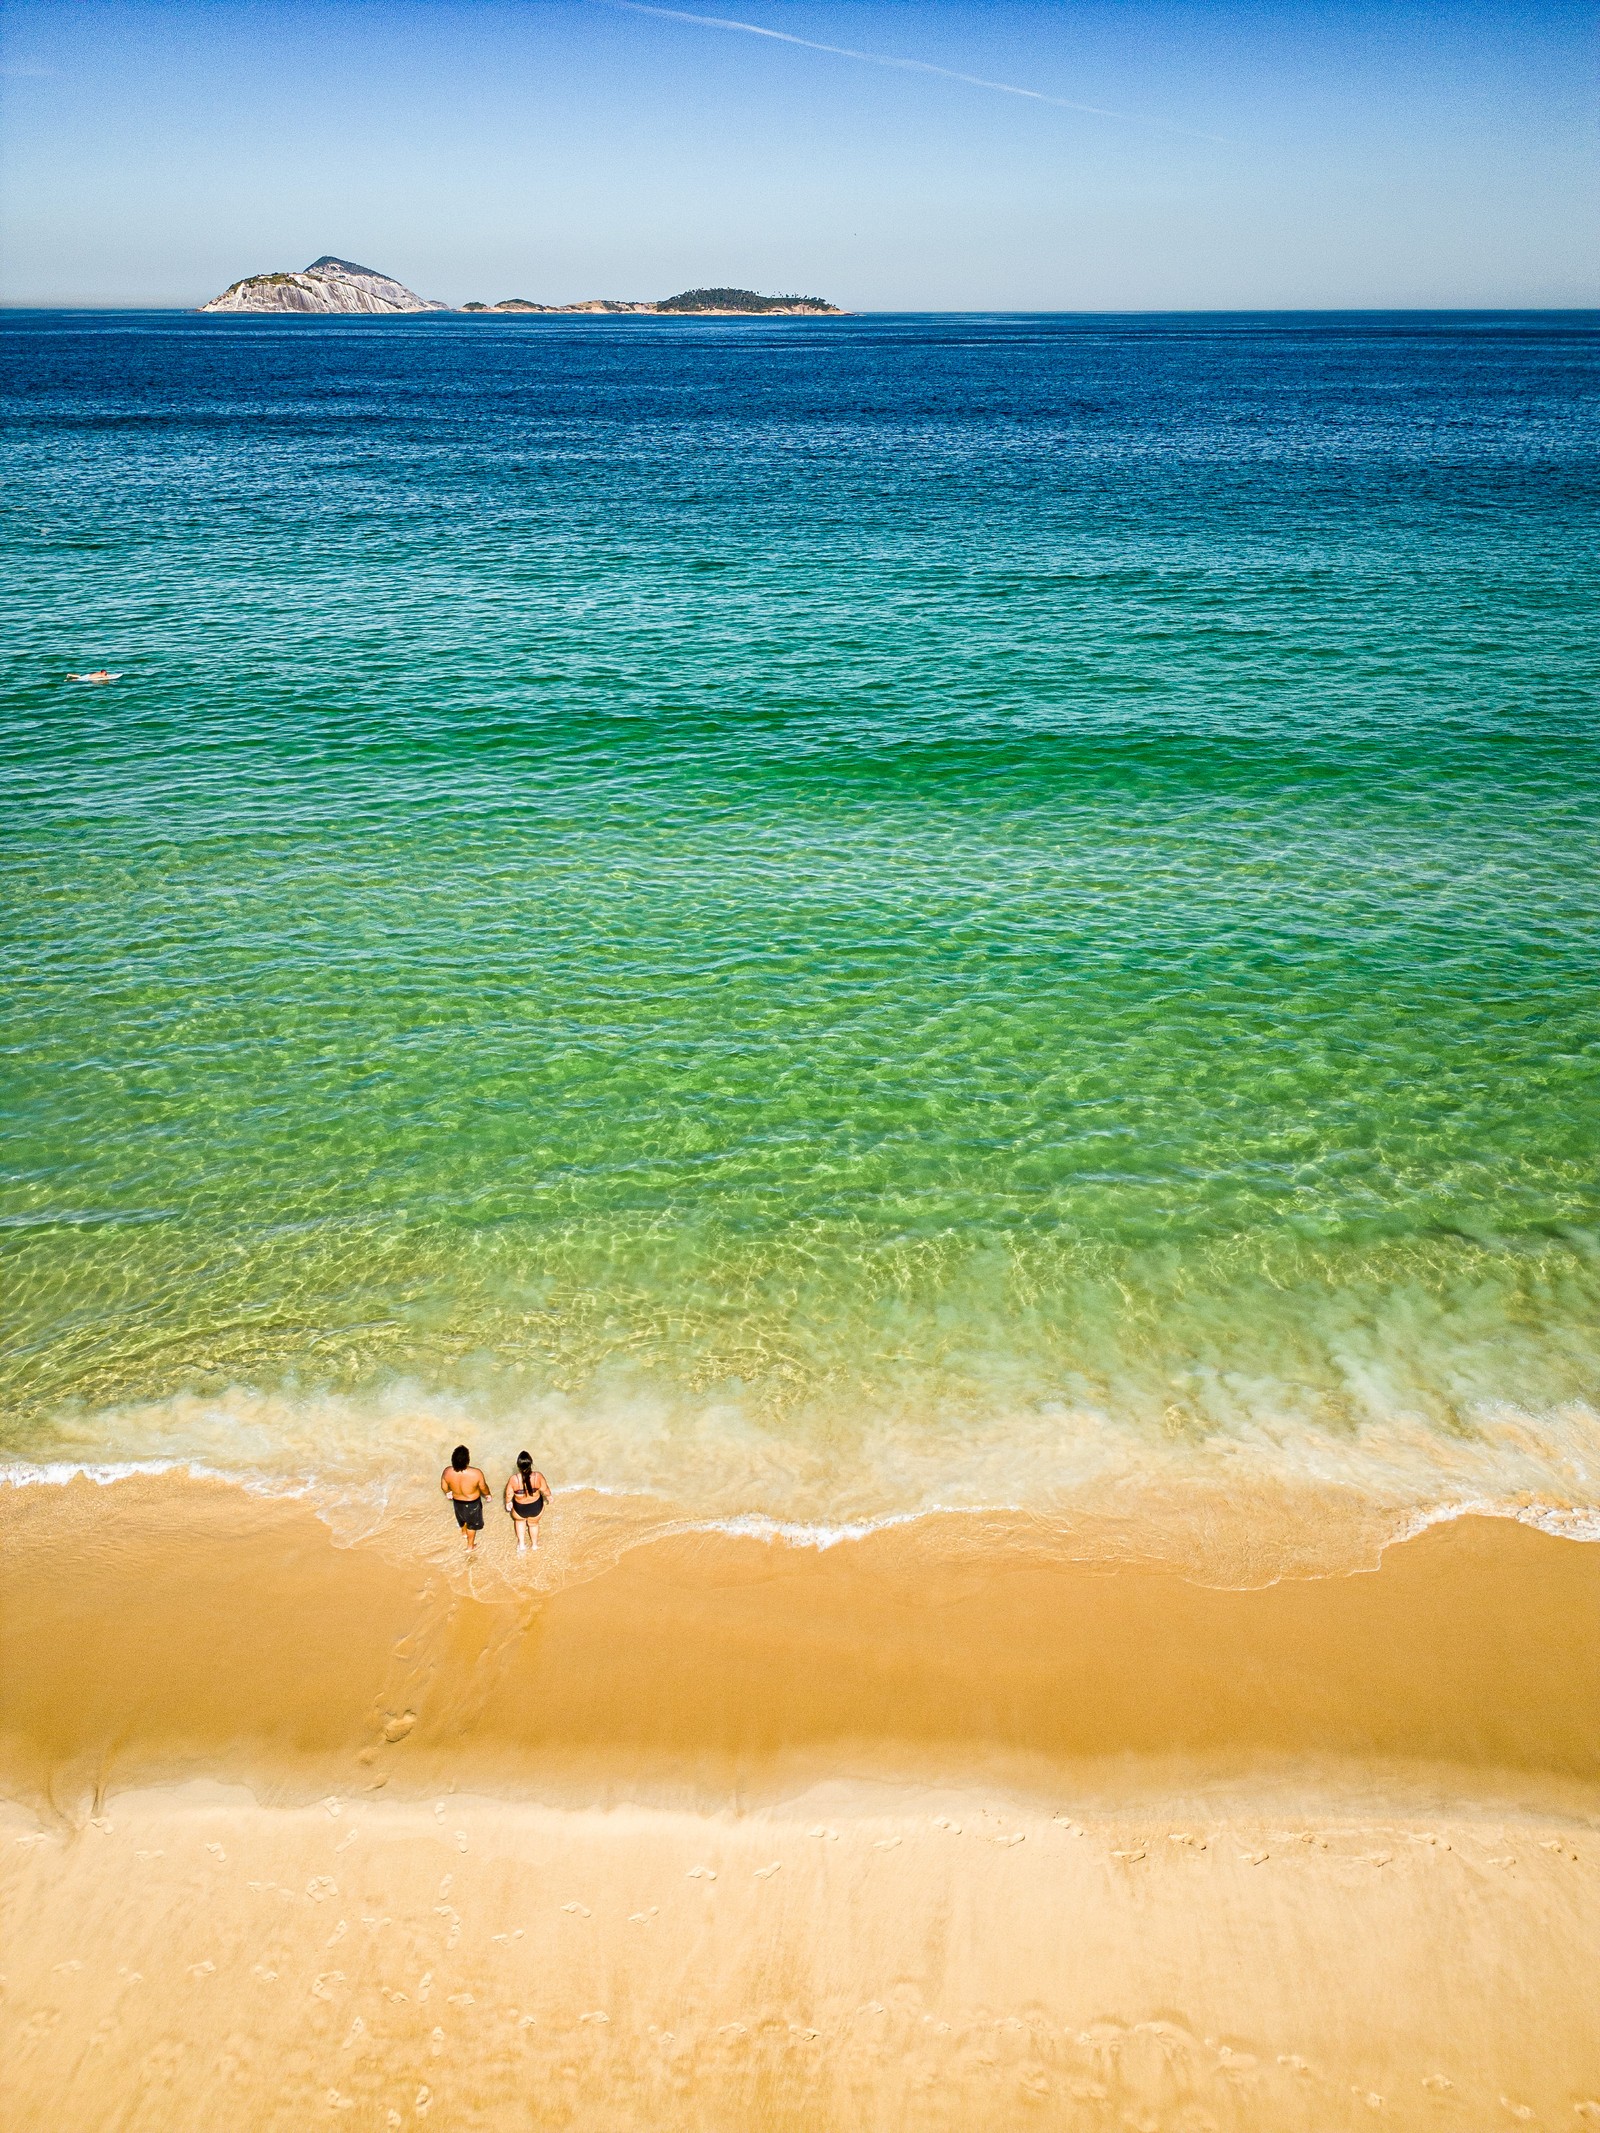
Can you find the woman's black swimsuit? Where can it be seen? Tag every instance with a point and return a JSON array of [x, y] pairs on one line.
[[526, 1506]]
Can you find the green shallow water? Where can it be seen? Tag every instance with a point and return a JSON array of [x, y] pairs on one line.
[[914, 906]]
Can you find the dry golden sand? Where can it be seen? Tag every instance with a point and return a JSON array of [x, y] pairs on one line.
[[734, 1836]]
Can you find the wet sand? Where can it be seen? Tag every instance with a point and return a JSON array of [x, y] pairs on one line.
[[1098, 1846]]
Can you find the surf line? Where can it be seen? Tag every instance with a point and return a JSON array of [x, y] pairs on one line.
[[909, 66]]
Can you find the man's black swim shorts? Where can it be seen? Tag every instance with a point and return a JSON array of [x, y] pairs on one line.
[[469, 1514]]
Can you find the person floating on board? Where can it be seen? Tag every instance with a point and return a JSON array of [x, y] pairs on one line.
[[468, 1491], [527, 1493]]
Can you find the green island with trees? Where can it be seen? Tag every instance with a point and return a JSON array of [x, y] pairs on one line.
[[741, 300]]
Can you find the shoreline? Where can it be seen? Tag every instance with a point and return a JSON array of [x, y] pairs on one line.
[[1227, 1522]]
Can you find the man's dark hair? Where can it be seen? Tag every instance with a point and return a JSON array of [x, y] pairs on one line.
[[460, 1458]]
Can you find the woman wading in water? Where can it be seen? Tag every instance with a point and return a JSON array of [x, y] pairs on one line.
[[527, 1493]]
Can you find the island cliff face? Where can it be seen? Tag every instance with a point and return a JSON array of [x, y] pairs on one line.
[[327, 285]]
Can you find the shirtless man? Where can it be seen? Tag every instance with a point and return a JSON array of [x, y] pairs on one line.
[[468, 1491]]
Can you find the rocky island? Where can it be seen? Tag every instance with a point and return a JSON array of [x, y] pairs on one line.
[[327, 285], [338, 285]]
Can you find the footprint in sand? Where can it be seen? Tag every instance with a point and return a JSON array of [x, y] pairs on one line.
[[461, 1840], [577, 1910], [217, 1852], [356, 2028], [424, 1986], [447, 1884], [345, 1842], [101, 1822], [322, 1986], [202, 1969], [886, 1844], [1294, 2063], [336, 2102], [765, 1873], [944, 1822], [338, 1934], [396, 1728], [461, 1999], [424, 2102], [1129, 1856], [1370, 2097], [1437, 2082], [335, 1807], [701, 1873], [822, 1830], [392, 2121], [1019, 1836], [1559, 1846], [1524, 2111], [1588, 2109], [642, 1918], [597, 2015], [1255, 1858], [162, 1855], [267, 1977], [319, 1888], [73, 1964]]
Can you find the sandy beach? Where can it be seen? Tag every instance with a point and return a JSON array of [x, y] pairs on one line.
[[733, 1834]]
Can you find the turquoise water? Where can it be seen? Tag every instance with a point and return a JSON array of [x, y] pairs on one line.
[[849, 913]]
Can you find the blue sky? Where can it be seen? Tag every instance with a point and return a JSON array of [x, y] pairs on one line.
[[1255, 155]]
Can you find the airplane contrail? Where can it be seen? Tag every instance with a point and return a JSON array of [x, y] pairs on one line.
[[907, 66]]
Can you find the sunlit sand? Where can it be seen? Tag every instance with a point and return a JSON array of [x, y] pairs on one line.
[[735, 1835]]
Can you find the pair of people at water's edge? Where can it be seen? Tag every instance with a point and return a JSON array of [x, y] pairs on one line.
[[526, 1495]]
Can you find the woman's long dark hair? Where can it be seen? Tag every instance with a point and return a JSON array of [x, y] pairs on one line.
[[524, 1465]]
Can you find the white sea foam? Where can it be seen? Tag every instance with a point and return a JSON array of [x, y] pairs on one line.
[[755, 1526], [1565, 1521], [57, 1473]]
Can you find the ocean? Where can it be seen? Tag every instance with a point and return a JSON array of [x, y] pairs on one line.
[[821, 921]]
